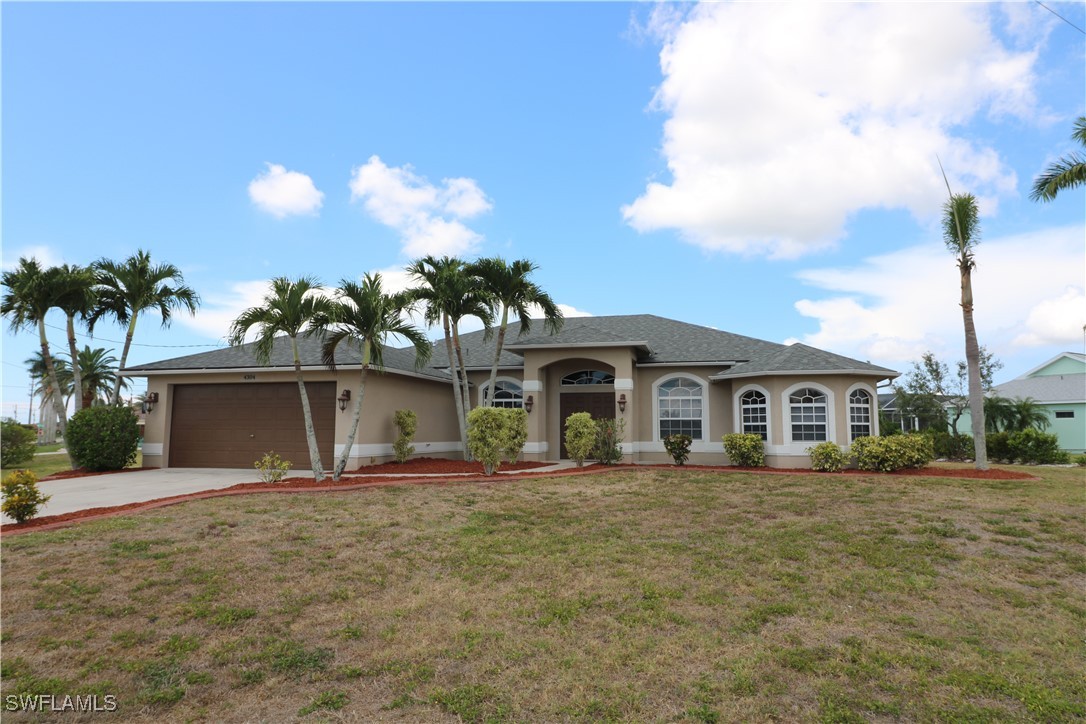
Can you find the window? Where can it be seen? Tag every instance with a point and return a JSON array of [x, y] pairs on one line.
[[680, 402], [808, 408], [859, 414], [589, 377], [1065, 414], [754, 414], [507, 394]]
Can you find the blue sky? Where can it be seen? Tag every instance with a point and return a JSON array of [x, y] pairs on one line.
[[767, 169]]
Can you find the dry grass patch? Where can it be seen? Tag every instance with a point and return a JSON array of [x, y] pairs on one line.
[[647, 595]]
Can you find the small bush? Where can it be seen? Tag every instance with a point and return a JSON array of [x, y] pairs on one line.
[[1080, 460], [609, 432], [103, 438], [580, 436], [951, 447], [272, 467], [517, 433], [745, 450], [827, 457], [494, 432], [998, 445], [1033, 446], [897, 452], [407, 422], [17, 443], [678, 447], [22, 499]]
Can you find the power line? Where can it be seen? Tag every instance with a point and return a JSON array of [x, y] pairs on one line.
[[1060, 16], [134, 344]]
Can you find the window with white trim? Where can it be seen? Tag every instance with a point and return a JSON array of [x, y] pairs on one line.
[[589, 377], [808, 411], [859, 414], [506, 394], [754, 413], [680, 408]]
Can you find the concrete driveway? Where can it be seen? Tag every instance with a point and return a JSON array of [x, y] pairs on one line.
[[97, 491]]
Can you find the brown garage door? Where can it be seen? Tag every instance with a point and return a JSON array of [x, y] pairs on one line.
[[232, 426]]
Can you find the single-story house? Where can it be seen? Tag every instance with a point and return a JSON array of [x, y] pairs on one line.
[[1058, 386], [662, 376]]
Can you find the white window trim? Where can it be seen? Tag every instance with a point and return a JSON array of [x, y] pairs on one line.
[[486, 386], [738, 409], [874, 409], [799, 447], [706, 435]]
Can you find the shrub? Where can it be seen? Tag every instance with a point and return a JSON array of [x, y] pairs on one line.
[[103, 438], [678, 447], [494, 431], [1033, 446], [609, 432], [17, 443], [272, 467], [1080, 460], [998, 446], [950, 447], [897, 452], [745, 449], [22, 499], [827, 457], [580, 436], [408, 424]]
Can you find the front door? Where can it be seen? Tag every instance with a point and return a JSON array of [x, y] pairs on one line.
[[598, 404]]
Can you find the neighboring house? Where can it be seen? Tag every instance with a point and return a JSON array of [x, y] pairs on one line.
[[1058, 386], [222, 409]]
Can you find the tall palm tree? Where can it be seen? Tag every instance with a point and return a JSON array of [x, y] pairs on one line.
[[135, 286], [76, 298], [293, 309], [365, 316], [1027, 414], [1066, 172], [31, 293], [98, 373], [961, 232], [510, 288]]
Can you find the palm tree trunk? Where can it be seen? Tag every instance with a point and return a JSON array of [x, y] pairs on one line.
[[497, 356], [972, 360], [460, 421], [310, 433], [341, 464], [124, 358], [465, 388], [77, 376], [50, 369]]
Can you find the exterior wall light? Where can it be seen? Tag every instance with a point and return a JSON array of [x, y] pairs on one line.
[[344, 398], [150, 401], [528, 404], [622, 402]]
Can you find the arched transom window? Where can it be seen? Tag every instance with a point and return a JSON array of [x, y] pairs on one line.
[[680, 404], [589, 377], [859, 414], [754, 414], [507, 394], [808, 410]]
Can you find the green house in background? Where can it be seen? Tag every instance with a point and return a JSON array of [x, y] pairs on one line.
[[1059, 387]]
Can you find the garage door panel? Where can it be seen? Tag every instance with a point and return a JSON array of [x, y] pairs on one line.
[[233, 425]]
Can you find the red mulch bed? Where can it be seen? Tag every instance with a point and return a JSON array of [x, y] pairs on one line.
[[84, 473], [431, 466]]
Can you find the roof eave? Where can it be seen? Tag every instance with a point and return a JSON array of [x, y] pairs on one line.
[[881, 374]]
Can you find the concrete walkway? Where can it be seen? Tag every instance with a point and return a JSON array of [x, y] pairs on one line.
[[99, 491]]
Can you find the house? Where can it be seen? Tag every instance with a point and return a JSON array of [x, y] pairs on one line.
[[1058, 386], [662, 376]]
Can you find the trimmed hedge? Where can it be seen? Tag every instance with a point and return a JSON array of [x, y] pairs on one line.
[[897, 452], [580, 436], [494, 432], [103, 438], [17, 443], [827, 457], [746, 450]]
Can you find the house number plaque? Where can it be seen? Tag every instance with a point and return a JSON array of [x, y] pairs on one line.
[[248, 377]]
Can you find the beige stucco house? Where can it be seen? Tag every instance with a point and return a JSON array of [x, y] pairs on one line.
[[662, 376]]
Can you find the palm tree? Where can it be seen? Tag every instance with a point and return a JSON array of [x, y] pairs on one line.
[[1027, 414], [292, 308], [999, 414], [1066, 173], [365, 316], [31, 293], [99, 371], [961, 232], [509, 287], [127, 290], [76, 298]]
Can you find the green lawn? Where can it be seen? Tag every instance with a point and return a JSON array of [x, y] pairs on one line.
[[644, 595], [46, 462]]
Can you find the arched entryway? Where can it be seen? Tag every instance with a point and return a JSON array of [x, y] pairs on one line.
[[588, 389]]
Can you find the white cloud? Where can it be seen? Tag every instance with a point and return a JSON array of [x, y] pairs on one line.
[[283, 193], [890, 308], [428, 218], [218, 309], [46, 257], [783, 120]]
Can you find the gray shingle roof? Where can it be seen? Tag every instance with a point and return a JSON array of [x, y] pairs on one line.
[[801, 358], [1046, 388]]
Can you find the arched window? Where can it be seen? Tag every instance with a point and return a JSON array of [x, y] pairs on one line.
[[808, 411], [589, 377], [680, 406], [859, 414], [755, 417], [507, 394]]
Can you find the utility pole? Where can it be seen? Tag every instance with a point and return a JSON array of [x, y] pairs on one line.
[[30, 407]]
